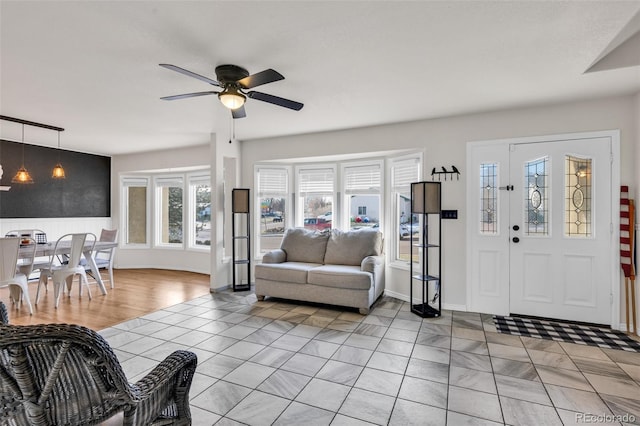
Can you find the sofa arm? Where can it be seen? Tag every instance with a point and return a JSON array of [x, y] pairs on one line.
[[375, 266], [372, 264], [275, 256]]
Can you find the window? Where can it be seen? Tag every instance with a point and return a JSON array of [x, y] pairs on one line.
[[273, 192], [135, 205], [179, 216], [200, 211], [578, 198], [488, 198], [362, 187], [536, 202], [315, 195], [169, 210], [404, 171]]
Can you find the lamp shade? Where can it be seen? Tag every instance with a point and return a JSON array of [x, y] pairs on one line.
[[231, 98], [22, 176], [58, 172], [425, 197], [240, 200]]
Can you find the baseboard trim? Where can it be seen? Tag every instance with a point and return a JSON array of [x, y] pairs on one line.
[[405, 298]]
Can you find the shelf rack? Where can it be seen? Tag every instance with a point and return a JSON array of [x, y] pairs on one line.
[[241, 240], [426, 270]]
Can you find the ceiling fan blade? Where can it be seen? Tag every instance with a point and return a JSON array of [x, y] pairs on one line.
[[239, 112], [190, 74], [187, 95], [260, 78], [276, 100]]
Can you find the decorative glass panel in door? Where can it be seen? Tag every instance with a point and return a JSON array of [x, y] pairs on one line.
[[536, 201], [577, 197]]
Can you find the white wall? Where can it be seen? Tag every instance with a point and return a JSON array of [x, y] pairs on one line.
[[222, 151], [444, 143], [57, 227]]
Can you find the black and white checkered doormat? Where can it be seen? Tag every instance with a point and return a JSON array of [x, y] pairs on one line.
[[566, 332]]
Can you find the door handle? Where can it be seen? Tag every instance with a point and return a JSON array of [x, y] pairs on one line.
[[515, 239]]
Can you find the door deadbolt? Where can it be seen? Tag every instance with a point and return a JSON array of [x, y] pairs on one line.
[[516, 227], [515, 239]]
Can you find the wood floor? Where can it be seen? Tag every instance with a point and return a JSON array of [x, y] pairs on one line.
[[137, 292]]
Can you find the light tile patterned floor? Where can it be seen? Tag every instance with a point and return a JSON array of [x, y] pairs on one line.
[[282, 363]]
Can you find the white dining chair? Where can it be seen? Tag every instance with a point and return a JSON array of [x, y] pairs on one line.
[[36, 236], [26, 261], [9, 275], [104, 258], [69, 247]]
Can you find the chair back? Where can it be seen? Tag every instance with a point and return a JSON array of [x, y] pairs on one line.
[[37, 234], [4, 314], [104, 258], [59, 374], [27, 256], [8, 257], [19, 233], [110, 235], [65, 374], [76, 244]]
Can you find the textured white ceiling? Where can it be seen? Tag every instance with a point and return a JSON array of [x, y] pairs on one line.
[[92, 67]]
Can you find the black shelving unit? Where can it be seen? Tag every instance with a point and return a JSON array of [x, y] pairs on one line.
[[241, 239], [426, 270]]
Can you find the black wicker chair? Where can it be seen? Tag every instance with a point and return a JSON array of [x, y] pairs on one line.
[[4, 314], [62, 374]]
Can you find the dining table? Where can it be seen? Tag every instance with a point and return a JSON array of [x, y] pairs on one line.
[[64, 247]]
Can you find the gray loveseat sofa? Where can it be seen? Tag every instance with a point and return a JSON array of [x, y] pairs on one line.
[[337, 268]]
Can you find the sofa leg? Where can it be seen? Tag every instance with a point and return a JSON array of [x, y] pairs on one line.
[[260, 298], [364, 311]]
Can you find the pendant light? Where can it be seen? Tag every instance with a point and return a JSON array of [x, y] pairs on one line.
[[58, 171], [22, 176]]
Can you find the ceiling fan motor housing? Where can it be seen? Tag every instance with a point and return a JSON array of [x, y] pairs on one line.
[[229, 74]]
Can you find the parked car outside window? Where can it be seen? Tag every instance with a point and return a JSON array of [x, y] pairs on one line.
[[317, 223]]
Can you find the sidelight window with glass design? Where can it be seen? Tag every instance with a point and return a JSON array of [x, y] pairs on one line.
[[536, 203], [488, 198], [578, 199]]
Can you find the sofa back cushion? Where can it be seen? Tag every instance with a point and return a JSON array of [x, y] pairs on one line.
[[350, 247], [302, 245]]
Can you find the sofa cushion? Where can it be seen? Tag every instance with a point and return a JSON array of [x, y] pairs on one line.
[[302, 245], [294, 272], [350, 247], [340, 276]]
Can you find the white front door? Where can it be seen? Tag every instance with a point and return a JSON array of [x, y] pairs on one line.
[[540, 227], [560, 233]]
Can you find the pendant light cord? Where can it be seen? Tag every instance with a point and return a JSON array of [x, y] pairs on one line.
[[23, 145]]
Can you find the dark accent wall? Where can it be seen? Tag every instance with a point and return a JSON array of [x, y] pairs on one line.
[[86, 191]]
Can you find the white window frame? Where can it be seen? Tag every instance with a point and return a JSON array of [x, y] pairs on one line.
[[260, 193], [395, 191], [348, 192], [159, 182], [127, 181], [193, 180], [299, 210]]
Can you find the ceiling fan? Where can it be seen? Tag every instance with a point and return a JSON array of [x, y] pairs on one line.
[[234, 82]]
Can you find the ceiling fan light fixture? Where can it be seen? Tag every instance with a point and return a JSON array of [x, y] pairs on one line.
[[231, 98]]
